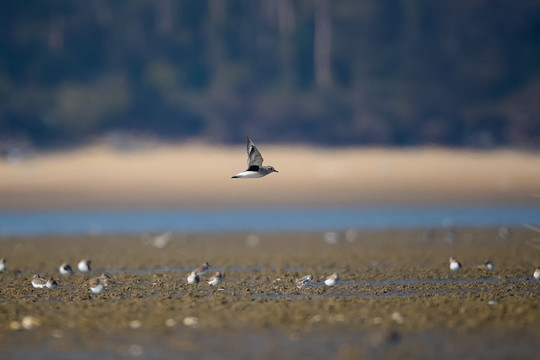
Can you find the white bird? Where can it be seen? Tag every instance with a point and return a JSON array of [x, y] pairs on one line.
[[39, 282], [2, 264], [537, 273], [332, 279], [98, 284], [51, 283], [216, 279], [193, 278], [65, 269], [96, 287], [454, 264], [84, 265]]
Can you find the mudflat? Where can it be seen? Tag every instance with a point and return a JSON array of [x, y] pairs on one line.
[[396, 297]]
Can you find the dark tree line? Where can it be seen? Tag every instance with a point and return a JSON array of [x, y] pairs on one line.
[[339, 72]]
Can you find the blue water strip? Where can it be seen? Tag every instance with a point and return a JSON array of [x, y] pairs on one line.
[[263, 219]]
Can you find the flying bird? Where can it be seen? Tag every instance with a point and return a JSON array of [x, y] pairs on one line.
[[255, 167]]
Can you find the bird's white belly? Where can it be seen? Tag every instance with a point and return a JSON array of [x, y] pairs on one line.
[[38, 285], [98, 289], [248, 174], [330, 282]]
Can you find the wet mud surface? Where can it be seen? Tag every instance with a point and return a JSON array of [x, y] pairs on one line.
[[396, 297]]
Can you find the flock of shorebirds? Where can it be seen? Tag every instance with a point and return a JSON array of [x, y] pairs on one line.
[[486, 266], [455, 265], [98, 284], [193, 277]]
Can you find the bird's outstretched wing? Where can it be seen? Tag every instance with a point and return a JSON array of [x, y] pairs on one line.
[[254, 156]]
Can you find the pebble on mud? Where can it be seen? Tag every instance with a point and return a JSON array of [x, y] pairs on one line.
[[15, 325], [170, 322], [29, 322], [135, 350], [58, 334], [191, 321], [397, 317], [335, 318], [135, 324]]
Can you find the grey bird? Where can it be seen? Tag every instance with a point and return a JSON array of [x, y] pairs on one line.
[[255, 167], [486, 266], [303, 281], [203, 269]]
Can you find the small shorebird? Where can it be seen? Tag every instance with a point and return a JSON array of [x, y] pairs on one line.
[[84, 265], [536, 273], [486, 266], [51, 283], [255, 167], [65, 269], [39, 282], [216, 279], [332, 279], [454, 264], [105, 279], [303, 281], [203, 269], [2, 264], [193, 278], [98, 284]]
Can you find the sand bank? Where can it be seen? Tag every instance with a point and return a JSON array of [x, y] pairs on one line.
[[198, 175]]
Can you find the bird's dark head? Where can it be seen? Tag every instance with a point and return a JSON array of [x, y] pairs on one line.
[[271, 168]]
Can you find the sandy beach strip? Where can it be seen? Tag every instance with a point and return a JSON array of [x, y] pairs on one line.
[[199, 175]]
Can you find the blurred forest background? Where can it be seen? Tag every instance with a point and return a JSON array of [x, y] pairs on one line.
[[330, 72]]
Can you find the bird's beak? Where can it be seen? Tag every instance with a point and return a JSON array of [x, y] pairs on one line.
[[276, 170]]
